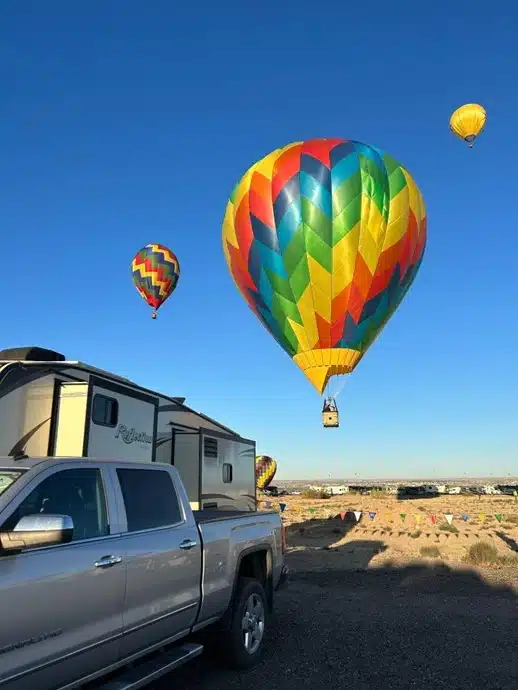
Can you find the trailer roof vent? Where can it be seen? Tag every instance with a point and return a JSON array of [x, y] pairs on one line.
[[31, 354]]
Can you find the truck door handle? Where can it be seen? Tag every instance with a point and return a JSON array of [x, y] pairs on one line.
[[187, 544], [107, 561]]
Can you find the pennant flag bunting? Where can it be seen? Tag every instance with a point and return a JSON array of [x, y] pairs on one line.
[[282, 506], [417, 518], [357, 515], [372, 515], [268, 504], [342, 515], [464, 517], [499, 517], [482, 517], [402, 516], [433, 518], [449, 518]]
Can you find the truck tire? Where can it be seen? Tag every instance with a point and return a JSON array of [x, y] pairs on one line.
[[243, 640]]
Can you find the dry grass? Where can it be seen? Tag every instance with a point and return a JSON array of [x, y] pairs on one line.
[[448, 528], [430, 552], [483, 553]]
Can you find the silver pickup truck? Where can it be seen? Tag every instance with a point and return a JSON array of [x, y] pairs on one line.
[[106, 571]]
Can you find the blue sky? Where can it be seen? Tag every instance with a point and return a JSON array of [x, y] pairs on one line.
[[126, 122]]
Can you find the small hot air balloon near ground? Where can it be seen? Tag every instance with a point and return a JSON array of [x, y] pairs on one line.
[[156, 271], [468, 121], [323, 238], [265, 469]]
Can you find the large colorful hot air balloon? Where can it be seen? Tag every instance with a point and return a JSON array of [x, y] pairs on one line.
[[265, 469], [468, 121], [323, 238], [155, 273]]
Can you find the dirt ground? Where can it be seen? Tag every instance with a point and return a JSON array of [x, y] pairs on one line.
[[393, 531]]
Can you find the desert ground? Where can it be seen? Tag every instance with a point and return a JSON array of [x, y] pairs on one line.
[[387, 603], [400, 531]]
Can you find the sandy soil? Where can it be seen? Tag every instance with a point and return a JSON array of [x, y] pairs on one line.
[[330, 527]]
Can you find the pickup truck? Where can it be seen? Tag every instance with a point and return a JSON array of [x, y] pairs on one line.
[[107, 575]]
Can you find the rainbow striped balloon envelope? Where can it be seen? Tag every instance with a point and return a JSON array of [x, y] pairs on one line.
[[156, 271], [323, 238], [265, 469]]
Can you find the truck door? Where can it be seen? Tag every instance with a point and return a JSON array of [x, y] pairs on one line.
[[63, 606], [163, 556]]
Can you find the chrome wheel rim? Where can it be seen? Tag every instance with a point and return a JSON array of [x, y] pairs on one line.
[[252, 624]]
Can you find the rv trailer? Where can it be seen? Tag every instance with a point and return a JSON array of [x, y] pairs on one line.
[[50, 406]]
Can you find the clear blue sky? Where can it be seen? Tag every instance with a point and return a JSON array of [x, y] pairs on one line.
[[126, 122]]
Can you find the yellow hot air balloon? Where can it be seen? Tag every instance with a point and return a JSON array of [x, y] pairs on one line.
[[468, 121]]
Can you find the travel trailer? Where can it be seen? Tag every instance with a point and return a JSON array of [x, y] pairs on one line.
[[50, 406]]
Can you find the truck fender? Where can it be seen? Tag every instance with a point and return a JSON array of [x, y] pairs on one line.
[[268, 579]]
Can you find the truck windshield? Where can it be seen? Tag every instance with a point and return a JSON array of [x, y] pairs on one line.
[[8, 477]]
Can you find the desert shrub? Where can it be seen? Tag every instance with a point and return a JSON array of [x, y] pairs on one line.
[[416, 534], [430, 551], [315, 494], [448, 528], [482, 553]]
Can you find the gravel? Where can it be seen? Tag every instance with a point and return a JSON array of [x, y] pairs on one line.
[[413, 627]]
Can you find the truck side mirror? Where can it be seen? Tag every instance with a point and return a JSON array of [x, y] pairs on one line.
[[34, 531]]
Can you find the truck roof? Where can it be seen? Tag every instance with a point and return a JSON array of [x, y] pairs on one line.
[[26, 463]]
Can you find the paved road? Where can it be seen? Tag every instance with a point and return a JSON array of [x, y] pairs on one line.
[[404, 628]]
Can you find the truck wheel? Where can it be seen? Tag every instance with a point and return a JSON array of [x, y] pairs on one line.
[[248, 624]]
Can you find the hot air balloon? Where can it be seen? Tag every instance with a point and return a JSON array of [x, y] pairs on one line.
[[155, 271], [468, 121], [265, 469], [323, 239]]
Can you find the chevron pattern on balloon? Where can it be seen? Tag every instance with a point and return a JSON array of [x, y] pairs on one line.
[[323, 239]]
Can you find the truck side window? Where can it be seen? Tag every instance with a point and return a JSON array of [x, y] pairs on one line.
[[78, 493], [105, 411], [149, 498]]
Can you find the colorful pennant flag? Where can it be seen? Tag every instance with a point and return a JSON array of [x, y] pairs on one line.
[[372, 515], [433, 518], [357, 515], [499, 517], [482, 517], [267, 504], [342, 515], [402, 516], [417, 518], [282, 506], [464, 517], [449, 518]]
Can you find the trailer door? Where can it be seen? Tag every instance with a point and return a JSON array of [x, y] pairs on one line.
[[71, 419]]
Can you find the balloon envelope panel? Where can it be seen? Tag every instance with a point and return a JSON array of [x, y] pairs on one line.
[[265, 469], [156, 271], [323, 238]]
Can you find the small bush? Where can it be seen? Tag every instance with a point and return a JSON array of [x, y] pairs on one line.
[[430, 552], [416, 534], [448, 528], [482, 553], [312, 493]]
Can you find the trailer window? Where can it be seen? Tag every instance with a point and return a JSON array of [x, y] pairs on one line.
[[210, 447], [105, 411], [227, 473]]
